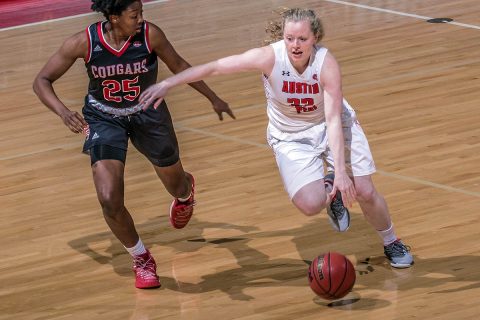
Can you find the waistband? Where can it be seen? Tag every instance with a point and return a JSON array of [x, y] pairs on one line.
[[121, 112]]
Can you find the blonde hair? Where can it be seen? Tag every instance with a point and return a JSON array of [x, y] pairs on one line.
[[275, 29]]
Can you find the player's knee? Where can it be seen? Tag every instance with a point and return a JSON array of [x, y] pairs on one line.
[[310, 208], [366, 194], [111, 204], [309, 203]]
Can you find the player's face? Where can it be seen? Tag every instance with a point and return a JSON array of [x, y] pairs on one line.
[[131, 19], [299, 39]]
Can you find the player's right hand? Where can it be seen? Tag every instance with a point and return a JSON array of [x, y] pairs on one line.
[[74, 121]]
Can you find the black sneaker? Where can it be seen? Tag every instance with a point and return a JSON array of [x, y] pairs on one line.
[[398, 254], [337, 213]]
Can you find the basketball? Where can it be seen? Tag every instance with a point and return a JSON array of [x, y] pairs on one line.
[[331, 276]]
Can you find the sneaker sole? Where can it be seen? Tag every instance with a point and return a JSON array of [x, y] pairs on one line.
[[150, 287], [401, 265]]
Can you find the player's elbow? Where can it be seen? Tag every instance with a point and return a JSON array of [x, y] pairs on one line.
[[39, 83], [222, 66], [35, 85]]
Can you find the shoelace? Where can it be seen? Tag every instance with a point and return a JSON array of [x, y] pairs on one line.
[[146, 269], [337, 207], [146, 274], [184, 207], [396, 249]]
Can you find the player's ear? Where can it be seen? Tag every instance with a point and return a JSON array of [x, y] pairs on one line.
[[114, 18]]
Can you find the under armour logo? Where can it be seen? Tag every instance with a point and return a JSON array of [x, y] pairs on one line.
[[287, 73]]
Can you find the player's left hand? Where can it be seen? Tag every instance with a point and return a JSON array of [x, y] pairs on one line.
[[344, 184], [220, 107]]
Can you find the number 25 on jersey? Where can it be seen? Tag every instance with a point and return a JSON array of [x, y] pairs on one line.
[[114, 90]]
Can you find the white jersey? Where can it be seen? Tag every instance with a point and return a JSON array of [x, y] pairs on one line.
[[295, 101]]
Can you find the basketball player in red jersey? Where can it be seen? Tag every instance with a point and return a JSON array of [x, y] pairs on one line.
[[309, 123], [121, 55]]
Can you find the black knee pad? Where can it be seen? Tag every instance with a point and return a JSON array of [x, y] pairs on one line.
[[106, 152]]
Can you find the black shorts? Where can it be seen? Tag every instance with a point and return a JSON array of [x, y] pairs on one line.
[[150, 131]]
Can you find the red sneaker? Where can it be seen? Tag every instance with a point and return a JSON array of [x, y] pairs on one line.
[[145, 270], [181, 212]]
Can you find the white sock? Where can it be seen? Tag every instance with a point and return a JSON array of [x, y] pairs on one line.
[[138, 249], [185, 199], [388, 235]]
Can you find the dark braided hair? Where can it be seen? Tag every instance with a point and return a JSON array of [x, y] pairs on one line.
[[109, 7]]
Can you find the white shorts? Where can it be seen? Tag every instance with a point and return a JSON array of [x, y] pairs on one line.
[[300, 156]]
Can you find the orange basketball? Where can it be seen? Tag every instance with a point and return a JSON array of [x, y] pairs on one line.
[[331, 275]]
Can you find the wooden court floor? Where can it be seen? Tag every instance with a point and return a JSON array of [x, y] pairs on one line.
[[415, 86]]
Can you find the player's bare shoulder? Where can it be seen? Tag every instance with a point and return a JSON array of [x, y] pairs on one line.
[[156, 36], [76, 46], [153, 29], [330, 72], [330, 61]]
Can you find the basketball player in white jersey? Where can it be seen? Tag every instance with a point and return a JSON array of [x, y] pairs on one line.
[[309, 123]]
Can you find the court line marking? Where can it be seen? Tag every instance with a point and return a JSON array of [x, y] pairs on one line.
[[428, 183], [381, 172], [66, 18], [471, 26], [265, 146], [182, 126], [57, 147]]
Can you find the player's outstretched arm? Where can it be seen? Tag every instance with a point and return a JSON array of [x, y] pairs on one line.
[[175, 63], [261, 59]]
